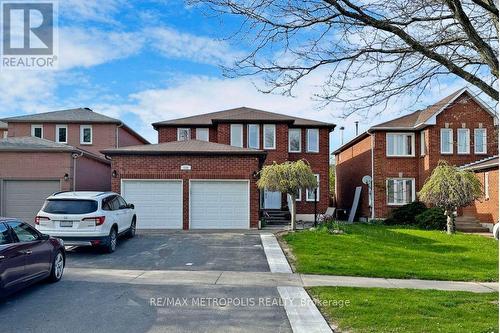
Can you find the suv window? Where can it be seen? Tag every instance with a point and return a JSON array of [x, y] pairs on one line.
[[24, 232], [110, 203], [121, 202], [69, 206], [115, 204], [4, 234]]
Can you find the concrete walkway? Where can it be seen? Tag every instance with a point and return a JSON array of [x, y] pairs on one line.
[[264, 279]]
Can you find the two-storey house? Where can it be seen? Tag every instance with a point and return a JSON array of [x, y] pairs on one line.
[[202, 174], [399, 155], [56, 151]]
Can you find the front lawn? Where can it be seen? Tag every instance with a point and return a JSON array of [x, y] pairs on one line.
[[395, 252], [407, 310]]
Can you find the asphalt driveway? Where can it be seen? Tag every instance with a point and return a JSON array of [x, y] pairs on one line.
[[220, 251]]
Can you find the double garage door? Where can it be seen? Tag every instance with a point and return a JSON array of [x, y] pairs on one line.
[[216, 204]]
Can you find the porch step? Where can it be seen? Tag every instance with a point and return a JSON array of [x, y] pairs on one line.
[[276, 217], [469, 224]]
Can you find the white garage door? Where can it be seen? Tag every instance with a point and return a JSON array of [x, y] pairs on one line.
[[219, 205], [24, 198], [158, 204]]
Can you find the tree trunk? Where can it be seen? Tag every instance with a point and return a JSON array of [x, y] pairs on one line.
[[450, 222], [293, 205]]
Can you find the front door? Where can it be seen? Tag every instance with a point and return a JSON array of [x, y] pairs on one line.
[[272, 200]]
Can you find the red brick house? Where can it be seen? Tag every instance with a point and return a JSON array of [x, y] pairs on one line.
[[202, 174], [56, 151], [399, 155], [485, 210]]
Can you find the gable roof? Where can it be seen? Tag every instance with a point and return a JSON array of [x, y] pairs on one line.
[[241, 114], [485, 163], [427, 116], [79, 116], [188, 147], [3, 125]]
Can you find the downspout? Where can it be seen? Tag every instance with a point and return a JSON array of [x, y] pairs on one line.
[[372, 136], [117, 145], [75, 156]]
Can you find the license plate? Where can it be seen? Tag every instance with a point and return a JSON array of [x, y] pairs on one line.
[[66, 224]]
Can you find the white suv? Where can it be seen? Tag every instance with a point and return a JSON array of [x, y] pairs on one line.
[[87, 218]]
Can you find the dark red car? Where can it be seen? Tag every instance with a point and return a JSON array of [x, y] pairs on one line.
[[27, 256]]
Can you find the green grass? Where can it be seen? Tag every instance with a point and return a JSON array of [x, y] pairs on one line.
[[408, 310], [395, 252]]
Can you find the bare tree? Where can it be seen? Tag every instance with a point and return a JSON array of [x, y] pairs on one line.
[[370, 51]]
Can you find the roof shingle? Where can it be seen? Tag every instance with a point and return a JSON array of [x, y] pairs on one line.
[[80, 115], [29, 143]]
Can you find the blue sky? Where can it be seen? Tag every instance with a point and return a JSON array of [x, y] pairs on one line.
[[152, 60]]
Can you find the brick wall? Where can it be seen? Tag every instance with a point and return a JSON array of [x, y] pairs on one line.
[[486, 209], [203, 167]]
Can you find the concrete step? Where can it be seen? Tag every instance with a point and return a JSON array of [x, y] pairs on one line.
[[466, 218], [478, 229], [467, 224]]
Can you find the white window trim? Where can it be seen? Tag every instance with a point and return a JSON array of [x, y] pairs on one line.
[[300, 140], [413, 195], [485, 141], [443, 130], [82, 128], [204, 130], [399, 133], [267, 126], [309, 150], [33, 127], [179, 132], [467, 144], [240, 126], [487, 186], [317, 195], [423, 144], [58, 127], [258, 136], [299, 197]]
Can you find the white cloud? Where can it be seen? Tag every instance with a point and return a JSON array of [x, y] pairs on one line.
[[91, 10]]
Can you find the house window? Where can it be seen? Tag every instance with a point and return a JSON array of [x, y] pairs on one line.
[[446, 141], [487, 185], [480, 142], [62, 133], [253, 136], [400, 144], [400, 191], [237, 135], [5, 134], [202, 134], [463, 138], [86, 134], [423, 144], [310, 192], [299, 195], [183, 134], [294, 138], [37, 131], [269, 136], [313, 140]]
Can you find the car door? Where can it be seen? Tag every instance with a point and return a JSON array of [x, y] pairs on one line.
[[12, 259], [126, 213], [37, 250], [110, 206]]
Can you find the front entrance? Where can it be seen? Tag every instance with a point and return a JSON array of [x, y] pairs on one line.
[[272, 200]]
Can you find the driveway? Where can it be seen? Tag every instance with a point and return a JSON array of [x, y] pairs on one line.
[[204, 251]]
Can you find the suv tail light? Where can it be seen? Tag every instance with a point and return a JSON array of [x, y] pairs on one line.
[[41, 218], [98, 220]]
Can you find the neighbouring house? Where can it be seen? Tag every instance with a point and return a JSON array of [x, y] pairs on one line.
[[399, 155], [3, 130], [56, 151], [485, 210], [202, 174]]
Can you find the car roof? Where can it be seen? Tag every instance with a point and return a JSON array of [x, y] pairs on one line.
[[80, 195]]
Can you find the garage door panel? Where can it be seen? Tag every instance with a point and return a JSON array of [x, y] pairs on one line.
[[158, 204], [24, 198], [219, 205]]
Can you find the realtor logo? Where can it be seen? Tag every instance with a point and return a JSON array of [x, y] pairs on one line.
[[28, 35]]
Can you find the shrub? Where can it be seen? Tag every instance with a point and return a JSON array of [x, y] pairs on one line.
[[405, 215], [332, 226], [431, 219]]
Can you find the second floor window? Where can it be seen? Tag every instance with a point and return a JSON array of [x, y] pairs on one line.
[[480, 143], [202, 134], [253, 136], [446, 141], [269, 136], [86, 134], [37, 131], [400, 144], [237, 135], [294, 138], [62, 133], [463, 138], [183, 134], [313, 140]]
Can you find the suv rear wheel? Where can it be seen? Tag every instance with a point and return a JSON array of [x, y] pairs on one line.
[[111, 242]]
